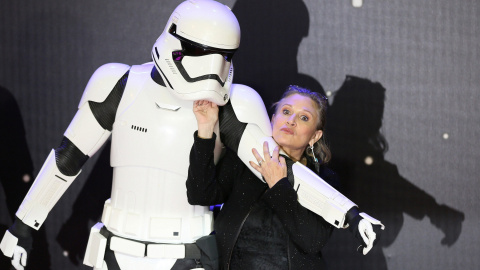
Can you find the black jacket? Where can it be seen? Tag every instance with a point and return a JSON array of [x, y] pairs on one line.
[[298, 234]]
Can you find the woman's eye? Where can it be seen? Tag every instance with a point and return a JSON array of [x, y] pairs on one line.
[[304, 118], [285, 111]]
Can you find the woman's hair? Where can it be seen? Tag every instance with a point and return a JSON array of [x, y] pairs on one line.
[[322, 152]]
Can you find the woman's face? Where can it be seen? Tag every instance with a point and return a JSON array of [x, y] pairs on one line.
[[295, 123]]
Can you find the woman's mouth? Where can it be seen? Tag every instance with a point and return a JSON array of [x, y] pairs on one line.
[[287, 130]]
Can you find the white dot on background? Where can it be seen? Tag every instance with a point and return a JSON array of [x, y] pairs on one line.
[[357, 3], [329, 93], [369, 160], [445, 136], [65, 253], [26, 178]]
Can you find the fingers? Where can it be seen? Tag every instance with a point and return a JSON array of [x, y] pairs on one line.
[[204, 104], [266, 154], [367, 248], [266, 151], [200, 105], [16, 260], [23, 260], [196, 104], [257, 155], [282, 161], [19, 258], [367, 234], [200, 102], [275, 154], [255, 166], [283, 164]]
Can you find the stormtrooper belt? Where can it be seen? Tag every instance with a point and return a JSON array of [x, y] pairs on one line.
[[149, 249]]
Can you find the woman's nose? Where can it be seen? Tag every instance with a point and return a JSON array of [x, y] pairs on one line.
[[291, 120]]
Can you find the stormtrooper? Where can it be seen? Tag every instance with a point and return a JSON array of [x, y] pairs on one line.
[[147, 110]]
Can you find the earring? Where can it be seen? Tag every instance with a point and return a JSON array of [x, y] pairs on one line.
[[317, 164], [313, 153]]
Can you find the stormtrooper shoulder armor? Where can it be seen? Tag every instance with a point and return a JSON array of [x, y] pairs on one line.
[[249, 107], [102, 82]]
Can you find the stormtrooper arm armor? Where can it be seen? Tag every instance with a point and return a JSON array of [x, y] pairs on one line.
[[244, 125], [87, 132], [245, 116]]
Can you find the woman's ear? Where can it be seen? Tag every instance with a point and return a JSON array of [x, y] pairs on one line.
[[316, 136]]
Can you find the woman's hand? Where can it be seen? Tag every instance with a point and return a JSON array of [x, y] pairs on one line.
[[206, 113], [272, 168]]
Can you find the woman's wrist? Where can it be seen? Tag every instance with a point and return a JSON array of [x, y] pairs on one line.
[[205, 131]]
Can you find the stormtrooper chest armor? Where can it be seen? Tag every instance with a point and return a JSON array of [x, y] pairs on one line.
[[151, 141]]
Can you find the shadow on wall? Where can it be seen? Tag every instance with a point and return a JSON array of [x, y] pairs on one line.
[[354, 124], [267, 61], [267, 58], [16, 176]]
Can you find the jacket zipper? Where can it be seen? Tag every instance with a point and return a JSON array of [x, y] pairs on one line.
[[240, 228], [288, 252], [236, 237]]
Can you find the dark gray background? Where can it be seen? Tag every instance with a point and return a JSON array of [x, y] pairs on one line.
[[421, 56]]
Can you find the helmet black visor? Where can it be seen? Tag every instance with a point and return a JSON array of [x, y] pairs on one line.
[[191, 48]]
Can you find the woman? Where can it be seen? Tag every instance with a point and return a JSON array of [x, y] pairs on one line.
[[262, 225]]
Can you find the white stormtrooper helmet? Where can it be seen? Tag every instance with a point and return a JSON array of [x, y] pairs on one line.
[[194, 52]]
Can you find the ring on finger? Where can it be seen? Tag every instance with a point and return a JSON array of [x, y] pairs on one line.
[[260, 163]]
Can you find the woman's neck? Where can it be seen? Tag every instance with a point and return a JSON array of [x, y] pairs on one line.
[[296, 156]]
